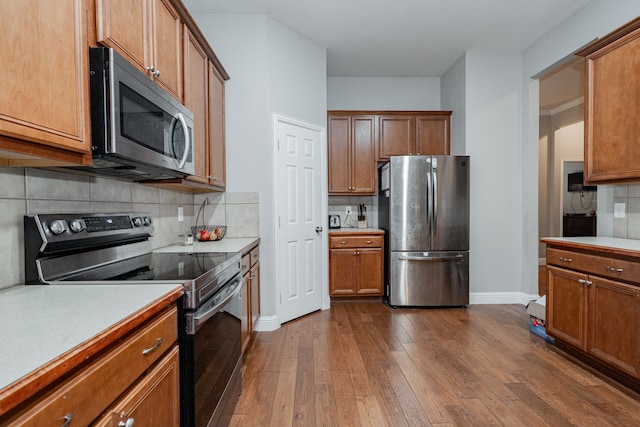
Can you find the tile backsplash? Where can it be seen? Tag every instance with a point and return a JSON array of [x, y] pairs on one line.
[[629, 226], [28, 191], [338, 205]]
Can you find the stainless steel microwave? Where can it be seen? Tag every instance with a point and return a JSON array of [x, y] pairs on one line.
[[139, 131]]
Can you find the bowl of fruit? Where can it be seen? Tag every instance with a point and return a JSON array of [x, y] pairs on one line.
[[206, 233]]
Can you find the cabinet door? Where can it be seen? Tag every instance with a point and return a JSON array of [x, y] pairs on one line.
[[370, 265], [363, 155], [167, 47], [339, 146], [342, 272], [255, 294], [432, 134], [566, 306], [154, 401], [245, 300], [44, 71], [612, 111], [614, 329], [396, 136], [195, 97], [124, 26], [217, 144]]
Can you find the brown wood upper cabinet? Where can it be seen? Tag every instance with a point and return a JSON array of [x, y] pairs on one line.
[[44, 89], [414, 133], [351, 144], [148, 33], [612, 129]]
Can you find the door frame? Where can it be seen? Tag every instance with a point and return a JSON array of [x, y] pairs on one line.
[[278, 119]]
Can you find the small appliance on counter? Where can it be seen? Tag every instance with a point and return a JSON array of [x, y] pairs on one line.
[[334, 221]]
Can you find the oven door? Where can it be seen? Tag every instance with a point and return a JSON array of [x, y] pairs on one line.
[[211, 360]]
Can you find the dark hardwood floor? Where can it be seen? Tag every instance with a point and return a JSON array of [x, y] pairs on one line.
[[365, 364]]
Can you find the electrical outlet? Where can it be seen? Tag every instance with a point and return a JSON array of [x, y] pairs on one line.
[[180, 214], [348, 209]]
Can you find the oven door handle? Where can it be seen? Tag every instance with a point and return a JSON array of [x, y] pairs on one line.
[[214, 306]]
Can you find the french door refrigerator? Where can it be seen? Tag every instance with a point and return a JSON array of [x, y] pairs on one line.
[[423, 206]]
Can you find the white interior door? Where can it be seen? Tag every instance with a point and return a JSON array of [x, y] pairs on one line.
[[301, 207]]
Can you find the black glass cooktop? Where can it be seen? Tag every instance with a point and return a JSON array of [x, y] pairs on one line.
[[168, 267]]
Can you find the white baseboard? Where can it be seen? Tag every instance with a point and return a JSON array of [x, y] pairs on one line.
[[501, 298], [267, 323]]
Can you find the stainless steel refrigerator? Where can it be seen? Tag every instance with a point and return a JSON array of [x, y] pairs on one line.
[[423, 206]]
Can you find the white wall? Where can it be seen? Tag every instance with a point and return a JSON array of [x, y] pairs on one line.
[[454, 96], [383, 93], [273, 70], [493, 98]]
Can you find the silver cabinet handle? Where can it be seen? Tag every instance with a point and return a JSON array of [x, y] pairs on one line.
[[369, 242], [128, 423], [67, 420], [156, 73], [614, 269], [151, 69], [565, 259], [343, 242], [152, 348], [584, 282]]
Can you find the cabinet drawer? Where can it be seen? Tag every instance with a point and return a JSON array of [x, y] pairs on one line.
[[87, 394], [355, 242], [245, 263], [603, 266], [255, 255]]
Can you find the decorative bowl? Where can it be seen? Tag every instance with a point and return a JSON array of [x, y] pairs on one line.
[[206, 233]]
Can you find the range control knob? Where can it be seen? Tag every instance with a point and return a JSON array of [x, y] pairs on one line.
[[58, 226], [137, 221], [146, 220], [77, 225]]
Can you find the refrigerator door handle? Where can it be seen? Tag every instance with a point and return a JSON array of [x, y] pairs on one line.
[[434, 195], [433, 258], [429, 219]]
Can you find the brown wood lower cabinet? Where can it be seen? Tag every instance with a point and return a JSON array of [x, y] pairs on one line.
[[249, 294], [356, 263], [593, 306], [138, 378]]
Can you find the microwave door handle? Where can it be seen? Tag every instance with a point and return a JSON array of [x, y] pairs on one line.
[[187, 142]]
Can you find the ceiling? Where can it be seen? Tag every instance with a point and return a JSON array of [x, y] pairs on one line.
[[406, 38]]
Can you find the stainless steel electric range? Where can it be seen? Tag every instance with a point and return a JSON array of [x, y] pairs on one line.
[[115, 248]]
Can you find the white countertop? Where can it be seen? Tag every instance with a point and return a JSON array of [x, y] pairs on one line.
[[39, 323], [603, 242], [237, 244]]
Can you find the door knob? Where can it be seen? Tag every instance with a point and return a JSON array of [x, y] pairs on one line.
[[318, 229]]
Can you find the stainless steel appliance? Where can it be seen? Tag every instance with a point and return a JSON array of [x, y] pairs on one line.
[[115, 248], [139, 132], [423, 206]]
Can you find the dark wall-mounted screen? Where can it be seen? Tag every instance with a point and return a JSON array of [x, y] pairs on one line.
[[575, 183]]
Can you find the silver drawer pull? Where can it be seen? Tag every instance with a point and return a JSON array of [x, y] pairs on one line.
[[152, 349], [585, 282], [617, 270], [67, 420], [344, 242], [128, 423], [565, 259], [369, 242]]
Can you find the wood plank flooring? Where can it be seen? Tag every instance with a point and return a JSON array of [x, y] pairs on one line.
[[362, 363]]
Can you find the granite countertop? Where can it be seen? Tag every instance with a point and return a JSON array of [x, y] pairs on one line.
[[42, 323], [607, 244], [234, 244]]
